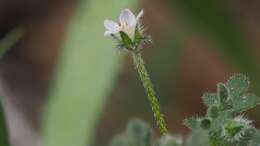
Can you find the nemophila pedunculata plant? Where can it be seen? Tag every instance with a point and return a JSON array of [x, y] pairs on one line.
[[129, 34], [224, 123]]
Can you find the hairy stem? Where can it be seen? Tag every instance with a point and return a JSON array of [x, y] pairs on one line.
[[144, 76]]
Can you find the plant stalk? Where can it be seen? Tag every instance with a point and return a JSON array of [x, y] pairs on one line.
[[144, 76]]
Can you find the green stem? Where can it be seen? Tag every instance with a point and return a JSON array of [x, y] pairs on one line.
[[144, 76]]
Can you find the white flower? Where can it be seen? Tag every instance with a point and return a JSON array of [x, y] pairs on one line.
[[127, 23]]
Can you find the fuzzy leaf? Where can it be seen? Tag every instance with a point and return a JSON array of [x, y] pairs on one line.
[[210, 99], [246, 102], [192, 122], [237, 85], [248, 134], [256, 139], [222, 93], [213, 112]]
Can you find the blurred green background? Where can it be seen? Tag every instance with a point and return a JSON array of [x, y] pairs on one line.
[[63, 83]]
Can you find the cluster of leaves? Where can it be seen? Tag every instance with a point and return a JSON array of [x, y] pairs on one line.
[[223, 124]]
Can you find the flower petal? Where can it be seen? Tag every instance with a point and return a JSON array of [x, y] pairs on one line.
[[111, 26], [108, 33], [127, 18], [140, 14]]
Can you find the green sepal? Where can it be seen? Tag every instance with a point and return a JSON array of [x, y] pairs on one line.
[[138, 37], [233, 128], [126, 40]]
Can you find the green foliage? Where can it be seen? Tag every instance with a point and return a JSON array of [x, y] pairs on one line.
[[86, 69], [223, 125]]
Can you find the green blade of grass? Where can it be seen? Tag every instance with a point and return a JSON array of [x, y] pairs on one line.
[[86, 69]]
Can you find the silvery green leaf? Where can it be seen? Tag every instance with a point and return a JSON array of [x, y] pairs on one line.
[[210, 99], [222, 93], [213, 112], [245, 102], [192, 122], [237, 85], [256, 139]]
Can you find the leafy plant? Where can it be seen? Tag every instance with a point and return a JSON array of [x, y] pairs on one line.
[[223, 125]]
